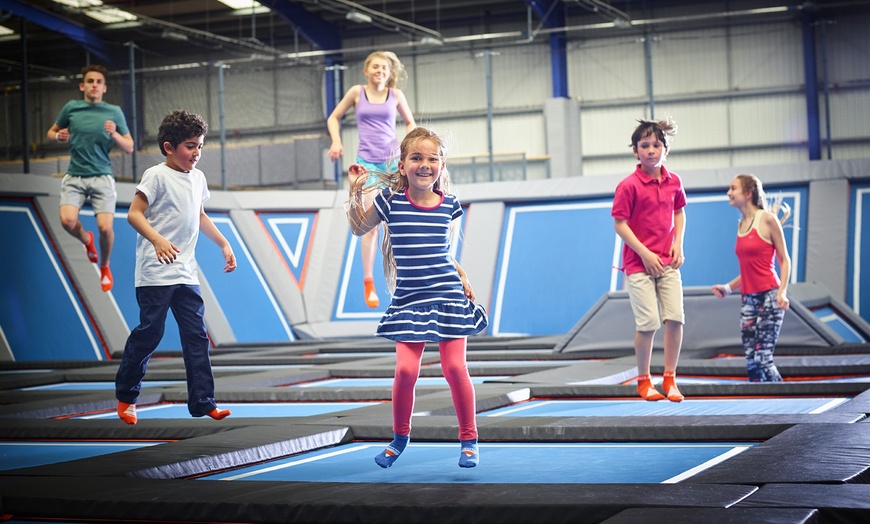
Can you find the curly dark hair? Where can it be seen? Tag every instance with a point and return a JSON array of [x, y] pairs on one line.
[[179, 126]]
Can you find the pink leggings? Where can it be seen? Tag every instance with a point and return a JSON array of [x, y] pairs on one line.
[[453, 366]]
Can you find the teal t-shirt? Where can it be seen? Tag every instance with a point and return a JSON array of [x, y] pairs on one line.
[[89, 144]]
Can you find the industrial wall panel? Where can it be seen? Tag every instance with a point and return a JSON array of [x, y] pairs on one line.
[[606, 69]]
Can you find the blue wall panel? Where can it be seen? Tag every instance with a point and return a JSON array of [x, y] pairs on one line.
[[291, 235], [858, 254], [246, 300], [41, 314], [557, 259]]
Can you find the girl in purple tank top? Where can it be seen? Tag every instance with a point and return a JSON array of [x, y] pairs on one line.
[[375, 106]]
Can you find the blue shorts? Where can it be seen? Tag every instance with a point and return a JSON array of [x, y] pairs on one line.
[[390, 166]]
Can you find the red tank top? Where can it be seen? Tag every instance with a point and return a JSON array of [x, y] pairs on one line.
[[756, 257]]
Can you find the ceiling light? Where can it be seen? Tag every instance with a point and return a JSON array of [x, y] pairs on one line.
[[431, 40], [360, 18], [173, 35]]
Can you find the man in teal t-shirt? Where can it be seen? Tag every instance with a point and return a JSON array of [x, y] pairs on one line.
[[92, 127]]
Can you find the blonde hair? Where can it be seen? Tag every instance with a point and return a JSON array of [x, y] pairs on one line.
[[397, 183], [397, 70]]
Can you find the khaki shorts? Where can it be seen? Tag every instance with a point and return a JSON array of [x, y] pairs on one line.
[[75, 190], [651, 295]]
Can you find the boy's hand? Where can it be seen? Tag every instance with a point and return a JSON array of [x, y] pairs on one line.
[[653, 264], [166, 250], [230, 258], [62, 135], [109, 127], [677, 258]]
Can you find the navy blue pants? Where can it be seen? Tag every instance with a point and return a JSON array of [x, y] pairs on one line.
[[760, 320], [187, 307]]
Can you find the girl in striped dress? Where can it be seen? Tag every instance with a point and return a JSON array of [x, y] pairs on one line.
[[432, 298]]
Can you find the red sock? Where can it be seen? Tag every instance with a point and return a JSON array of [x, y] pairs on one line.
[[219, 414], [371, 295], [127, 412], [92, 250], [669, 385], [106, 280], [646, 390]]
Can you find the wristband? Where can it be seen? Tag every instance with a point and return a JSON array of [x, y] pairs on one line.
[[727, 289]]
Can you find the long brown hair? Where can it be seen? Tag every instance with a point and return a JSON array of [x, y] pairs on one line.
[[752, 184]]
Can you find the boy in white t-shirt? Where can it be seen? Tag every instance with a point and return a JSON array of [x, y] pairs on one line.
[[167, 212]]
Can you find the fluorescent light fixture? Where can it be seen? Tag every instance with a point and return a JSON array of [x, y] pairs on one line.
[[239, 4], [360, 18], [110, 15], [173, 35], [6, 31], [95, 10], [431, 40]]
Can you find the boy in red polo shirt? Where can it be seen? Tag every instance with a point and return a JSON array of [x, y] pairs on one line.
[[649, 216]]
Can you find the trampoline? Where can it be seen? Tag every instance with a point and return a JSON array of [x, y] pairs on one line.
[[562, 437], [557, 463]]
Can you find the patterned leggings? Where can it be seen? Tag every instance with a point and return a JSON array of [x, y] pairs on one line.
[[760, 322], [408, 358]]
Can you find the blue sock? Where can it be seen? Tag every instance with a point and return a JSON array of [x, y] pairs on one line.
[[468, 456], [386, 457]]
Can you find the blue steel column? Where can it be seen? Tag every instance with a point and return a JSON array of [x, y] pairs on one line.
[[814, 147], [558, 54]]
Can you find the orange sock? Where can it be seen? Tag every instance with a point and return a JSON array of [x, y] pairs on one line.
[[669, 385], [219, 414], [106, 280], [646, 390], [127, 412], [371, 295], [92, 250]]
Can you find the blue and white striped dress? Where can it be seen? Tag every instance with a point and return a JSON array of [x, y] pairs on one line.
[[429, 303]]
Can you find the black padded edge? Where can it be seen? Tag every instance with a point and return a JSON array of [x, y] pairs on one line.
[[805, 453], [253, 501], [716, 516], [840, 504]]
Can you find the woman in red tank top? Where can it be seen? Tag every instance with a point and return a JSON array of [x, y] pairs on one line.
[[760, 242]]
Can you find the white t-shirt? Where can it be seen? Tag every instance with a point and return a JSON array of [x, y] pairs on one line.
[[174, 203]]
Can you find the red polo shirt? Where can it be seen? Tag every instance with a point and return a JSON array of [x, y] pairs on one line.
[[648, 205]]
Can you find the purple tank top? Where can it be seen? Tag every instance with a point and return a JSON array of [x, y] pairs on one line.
[[376, 124]]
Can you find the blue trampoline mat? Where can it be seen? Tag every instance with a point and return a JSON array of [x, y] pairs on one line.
[[579, 463], [640, 407], [245, 409], [23, 454]]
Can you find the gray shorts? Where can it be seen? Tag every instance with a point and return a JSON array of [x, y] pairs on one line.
[[649, 294], [75, 190]]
